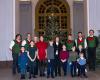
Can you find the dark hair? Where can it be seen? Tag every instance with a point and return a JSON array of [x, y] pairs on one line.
[[28, 34], [91, 30], [31, 41], [41, 36], [17, 35], [79, 32]]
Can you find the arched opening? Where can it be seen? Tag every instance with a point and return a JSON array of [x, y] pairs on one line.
[[52, 17]]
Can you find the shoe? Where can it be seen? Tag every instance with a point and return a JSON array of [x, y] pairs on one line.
[[40, 75], [85, 76], [34, 76], [81, 76], [52, 76], [48, 76], [22, 77], [29, 76]]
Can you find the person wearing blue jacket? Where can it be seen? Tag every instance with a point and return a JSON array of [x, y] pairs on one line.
[[22, 62]]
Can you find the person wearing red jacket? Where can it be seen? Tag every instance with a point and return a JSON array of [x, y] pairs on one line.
[[42, 55], [64, 55]]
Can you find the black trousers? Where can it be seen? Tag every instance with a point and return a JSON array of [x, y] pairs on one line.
[[36, 67], [81, 70], [64, 66], [57, 67], [92, 58], [42, 67], [32, 68], [15, 63], [73, 68]]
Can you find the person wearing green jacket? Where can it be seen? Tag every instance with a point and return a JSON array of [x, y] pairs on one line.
[[92, 43], [15, 46]]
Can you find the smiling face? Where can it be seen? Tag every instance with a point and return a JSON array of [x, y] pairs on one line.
[[64, 47], [51, 43], [69, 37], [41, 38], [22, 49], [35, 39], [32, 43], [29, 36], [57, 39], [91, 32], [18, 38], [79, 34], [81, 55]]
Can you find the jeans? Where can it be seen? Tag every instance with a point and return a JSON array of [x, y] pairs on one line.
[[64, 66], [73, 68], [50, 68]]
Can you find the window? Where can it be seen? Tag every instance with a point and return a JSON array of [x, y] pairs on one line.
[[52, 14]]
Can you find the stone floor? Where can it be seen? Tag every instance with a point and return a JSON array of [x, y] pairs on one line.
[[5, 74]]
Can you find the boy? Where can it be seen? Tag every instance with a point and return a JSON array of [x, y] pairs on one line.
[[81, 65], [50, 57], [22, 62], [80, 49], [73, 62]]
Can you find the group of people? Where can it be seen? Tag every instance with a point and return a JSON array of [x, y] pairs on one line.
[[35, 55]]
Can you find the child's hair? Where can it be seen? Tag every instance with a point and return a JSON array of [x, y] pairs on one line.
[[63, 46], [81, 53], [31, 41], [21, 48]]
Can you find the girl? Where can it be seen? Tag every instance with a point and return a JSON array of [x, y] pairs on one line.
[[64, 57], [32, 59]]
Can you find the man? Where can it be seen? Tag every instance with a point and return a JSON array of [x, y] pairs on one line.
[[26, 42], [15, 46], [42, 55], [70, 43], [80, 41], [92, 43]]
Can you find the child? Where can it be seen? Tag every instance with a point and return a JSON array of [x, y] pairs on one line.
[[32, 59], [73, 62], [81, 65], [64, 57], [22, 62], [50, 57], [81, 50]]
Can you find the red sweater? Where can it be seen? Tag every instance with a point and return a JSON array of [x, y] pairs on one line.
[[41, 46], [64, 55]]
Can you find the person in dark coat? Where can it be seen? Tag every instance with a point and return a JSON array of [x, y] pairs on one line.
[[57, 49]]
